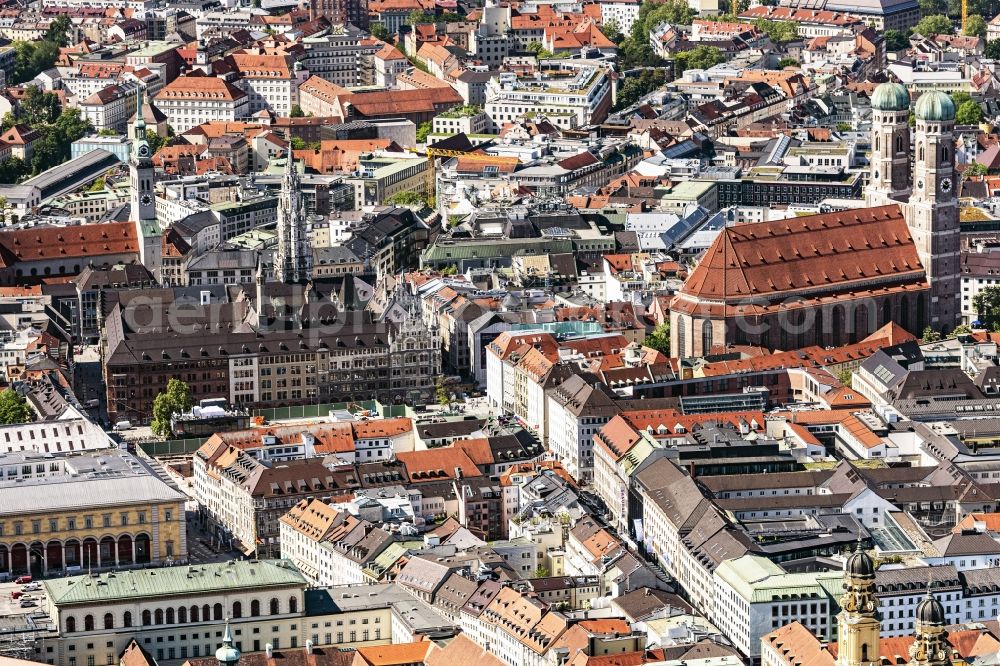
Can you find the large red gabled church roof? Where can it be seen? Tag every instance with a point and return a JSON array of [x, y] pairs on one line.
[[805, 254]]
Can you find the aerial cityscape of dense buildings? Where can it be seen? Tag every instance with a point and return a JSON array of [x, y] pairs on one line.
[[499, 332]]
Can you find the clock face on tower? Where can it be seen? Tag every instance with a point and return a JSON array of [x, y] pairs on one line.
[[145, 199], [143, 150], [946, 185]]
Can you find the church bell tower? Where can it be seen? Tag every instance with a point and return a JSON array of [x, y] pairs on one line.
[[143, 204], [858, 622], [933, 208], [890, 162]]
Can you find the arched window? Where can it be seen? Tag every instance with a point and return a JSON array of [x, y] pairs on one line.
[[275, 610], [70, 625], [899, 143], [127, 619], [170, 616], [886, 311], [88, 622], [109, 621], [681, 343], [920, 152], [864, 652], [217, 612], [182, 615], [237, 609], [904, 312], [158, 616], [706, 336], [818, 327], [194, 613], [254, 608], [876, 143], [147, 618], [293, 604], [206, 613]]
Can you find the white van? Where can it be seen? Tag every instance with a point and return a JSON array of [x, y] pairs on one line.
[[123, 425]]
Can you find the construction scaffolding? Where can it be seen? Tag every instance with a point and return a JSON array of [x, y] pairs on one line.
[[20, 636]]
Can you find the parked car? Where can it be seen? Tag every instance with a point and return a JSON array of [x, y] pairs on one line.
[[16, 594], [28, 603], [32, 587], [22, 580]]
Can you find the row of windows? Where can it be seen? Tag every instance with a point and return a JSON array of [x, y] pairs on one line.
[[182, 615]]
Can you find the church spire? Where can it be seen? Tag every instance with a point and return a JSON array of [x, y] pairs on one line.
[[858, 622], [930, 646], [293, 261]]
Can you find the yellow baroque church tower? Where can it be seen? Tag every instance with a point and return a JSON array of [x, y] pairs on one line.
[[859, 621]]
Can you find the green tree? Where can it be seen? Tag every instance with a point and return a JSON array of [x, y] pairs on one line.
[[779, 31], [969, 113], [975, 26], [155, 141], [934, 25], [418, 16], [107, 131], [423, 131], [98, 185], [930, 335], [296, 112], [896, 40], [958, 98], [637, 54], [541, 572], [659, 339], [843, 127], [298, 143], [176, 399], [961, 329], [441, 393], [3, 210], [612, 31], [47, 153], [845, 377], [634, 88], [975, 169], [32, 58], [38, 107], [787, 62], [58, 30], [379, 31], [14, 408], [987, 306], [932, 7], [406, 198], [12, 170], [700, 57], [992, 50]]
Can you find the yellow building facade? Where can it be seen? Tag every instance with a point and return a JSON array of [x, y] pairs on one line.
[[87, 513]]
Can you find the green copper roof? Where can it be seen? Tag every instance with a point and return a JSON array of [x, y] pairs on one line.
[[760, 580], [168, 581], [891, 97], [935, 106]]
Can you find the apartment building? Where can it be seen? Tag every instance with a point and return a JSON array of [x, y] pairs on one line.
[[189, 101], [110, 108], [570, 93], [271, 81], [576, 411]]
